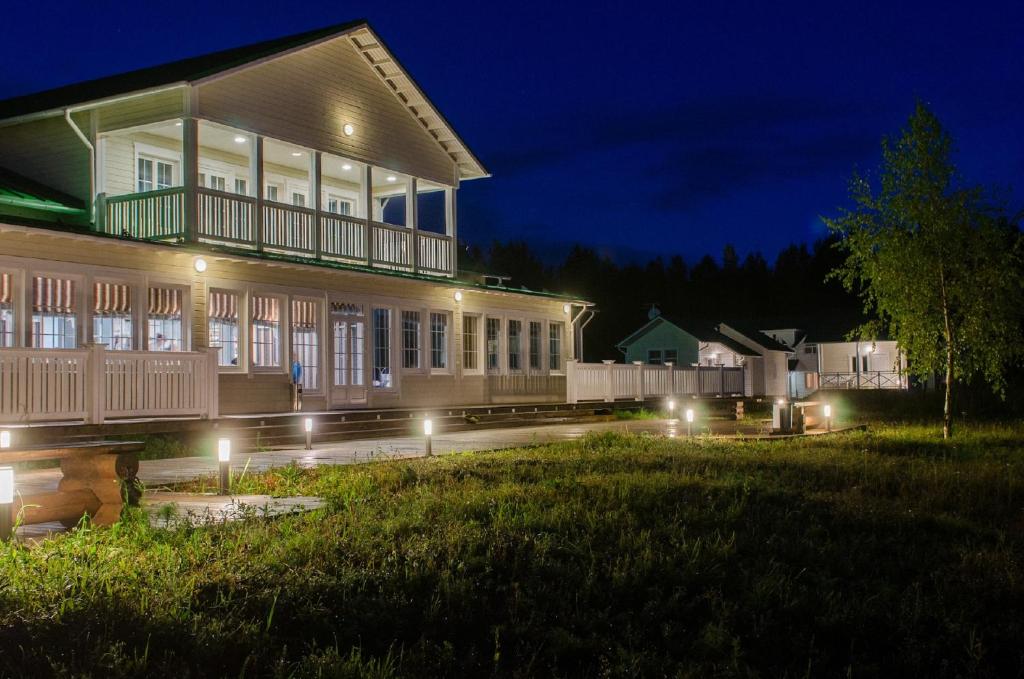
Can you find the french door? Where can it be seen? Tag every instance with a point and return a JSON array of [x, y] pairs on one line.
[[348, 352]]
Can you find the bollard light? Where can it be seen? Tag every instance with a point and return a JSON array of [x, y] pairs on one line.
[[828, 417], [689, 421], [308, 426], [224, 458], [6, 502], [428, 431], [671, 408], [5, 439]]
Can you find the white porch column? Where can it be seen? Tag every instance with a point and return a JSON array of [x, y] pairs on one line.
[[256, 158], [411, 221], [451, 226], [315, 177], [368, 200], [609, 388]]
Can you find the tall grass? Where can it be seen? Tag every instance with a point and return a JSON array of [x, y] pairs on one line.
[[889, 552]]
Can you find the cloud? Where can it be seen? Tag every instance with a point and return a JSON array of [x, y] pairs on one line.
[[703, 149]]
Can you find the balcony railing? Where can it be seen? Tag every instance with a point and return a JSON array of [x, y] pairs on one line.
[[251, 223], [867, 379]]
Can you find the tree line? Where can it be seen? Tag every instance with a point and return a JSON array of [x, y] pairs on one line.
[[792, 291]]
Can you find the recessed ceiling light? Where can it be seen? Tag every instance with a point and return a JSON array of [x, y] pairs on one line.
[[346, 167], [296, 154], [239, 139], [392, 178], [348, 129]]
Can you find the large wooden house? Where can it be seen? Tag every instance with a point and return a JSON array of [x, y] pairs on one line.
[[174, 239]]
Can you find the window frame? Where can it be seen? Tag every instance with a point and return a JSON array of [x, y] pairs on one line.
[[477, 349], [283, 332], [540, 368], [243, 325], [186, 312], [371, 323], [520, 353], [321, 351], [448, 343], [135, 313], [155, 154], [560, 370], [416, 350], [79, 315], [499, 349]]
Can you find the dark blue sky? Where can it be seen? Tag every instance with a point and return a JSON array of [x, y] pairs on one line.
[[635, 127]]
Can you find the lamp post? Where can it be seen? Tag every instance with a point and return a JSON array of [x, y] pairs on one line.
[[671, 409], [224, 460], [308, 426], [828, 417], [6, 502], [428, 431], [689, 421]]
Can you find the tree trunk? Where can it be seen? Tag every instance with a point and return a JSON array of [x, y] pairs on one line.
[[947, 411]]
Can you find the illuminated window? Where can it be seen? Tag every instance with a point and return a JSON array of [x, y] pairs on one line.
[[164, 321], [112, 316], [6, 311], [382, 377], [470, 342], [555, 346], [347, 320], [439, 341], [411, 339], [53, 313], [515, 349], [493, 344], [306, 341], [535, 358], [223, 328], [266, 331]]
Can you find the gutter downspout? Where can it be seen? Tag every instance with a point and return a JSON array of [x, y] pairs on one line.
[[92, 163]]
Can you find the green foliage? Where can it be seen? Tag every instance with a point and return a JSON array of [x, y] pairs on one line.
[[891, 552], [638, 414], [936, 264]]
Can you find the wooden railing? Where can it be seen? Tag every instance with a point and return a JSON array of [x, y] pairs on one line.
[[93, 384], [153, 215], [226, 218], [392, 246], [867, 379], [252, 223], [610, 381]]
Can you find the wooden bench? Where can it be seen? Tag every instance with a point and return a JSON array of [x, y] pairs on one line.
[[98, 479]]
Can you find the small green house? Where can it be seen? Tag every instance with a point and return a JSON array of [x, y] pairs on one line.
[[661, 341]]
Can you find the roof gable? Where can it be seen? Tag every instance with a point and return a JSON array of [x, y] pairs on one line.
[[207, 68]]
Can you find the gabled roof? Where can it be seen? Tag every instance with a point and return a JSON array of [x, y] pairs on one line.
[[759, 337], [207, 66], [700, 331]]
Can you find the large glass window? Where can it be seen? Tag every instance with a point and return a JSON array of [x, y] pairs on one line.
[[222, 312], [535, 349], [154, 174], [411, 339], [53, 313], [470, 342], [515, 349], [555, 346], [306, 341], [164, 323], [382, 377], [6, 310], [348, 344], [266, 331], [112, 315], [439, 341], [493, 344]]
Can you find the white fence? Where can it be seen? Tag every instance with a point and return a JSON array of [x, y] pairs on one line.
[[610, 381], [93, 384]]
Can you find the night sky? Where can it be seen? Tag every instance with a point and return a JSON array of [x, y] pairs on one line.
[[638, 128]]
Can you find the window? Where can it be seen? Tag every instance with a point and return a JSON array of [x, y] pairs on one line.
[[241, 187], [382, 377], [470, 338], [112, 316], [515, 349], [338, 205], [555, 346], [348, 344], [535, 330], [811, 349], [266, 332], [672, 356], [164, 320], [298, 199], [53, 313], [222, 313], [154, 174], [411, 339], [6, 311], [272, 192], [306, 342], [654, 356], [863, 363], [493, 344], [439, 341]]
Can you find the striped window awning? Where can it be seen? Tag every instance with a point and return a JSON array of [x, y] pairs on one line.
[[346, 309], [6, 293], [303, 314], [164, 302], [112, 298], [53, 295], [223, 306], [266, 309]]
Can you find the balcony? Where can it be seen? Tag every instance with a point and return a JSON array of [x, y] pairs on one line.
[[340, 210]]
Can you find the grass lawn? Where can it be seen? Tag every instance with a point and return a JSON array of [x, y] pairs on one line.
[[881, 553]]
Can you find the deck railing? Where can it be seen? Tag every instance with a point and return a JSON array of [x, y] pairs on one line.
[[610, 381], [93, 384], [153, 215], [252, 223], [867, 379]]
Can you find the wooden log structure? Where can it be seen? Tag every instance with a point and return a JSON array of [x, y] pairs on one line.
[[99, 478]]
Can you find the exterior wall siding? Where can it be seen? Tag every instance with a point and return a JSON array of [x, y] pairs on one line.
[[664, 336], [49, 152], [87, 257], [307, 97]]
